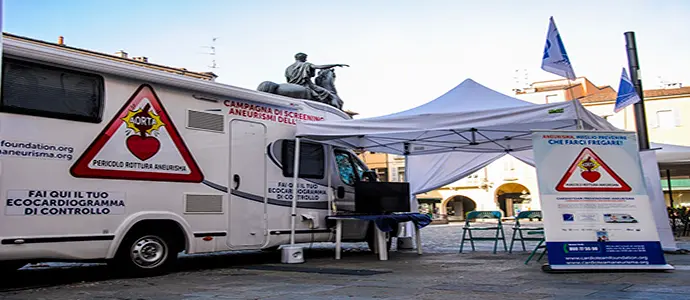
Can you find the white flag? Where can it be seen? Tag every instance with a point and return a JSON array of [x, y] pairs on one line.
[[555, 59]]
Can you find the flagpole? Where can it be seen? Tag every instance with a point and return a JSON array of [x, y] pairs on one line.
[[634, 66], [570, 90]]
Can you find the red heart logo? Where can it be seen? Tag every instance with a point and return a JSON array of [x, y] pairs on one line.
[[143, 147], [591, 176]]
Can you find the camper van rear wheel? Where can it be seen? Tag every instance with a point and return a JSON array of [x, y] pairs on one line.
[[146, 254], [149, 252]]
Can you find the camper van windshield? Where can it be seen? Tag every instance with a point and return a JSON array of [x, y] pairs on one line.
[[345, 169], [359, 165], [347, 164]]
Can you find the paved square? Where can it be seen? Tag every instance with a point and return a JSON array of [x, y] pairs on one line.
[[441, 273]]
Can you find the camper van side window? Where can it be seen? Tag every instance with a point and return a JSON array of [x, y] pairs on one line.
[[51, 92], [311, 157]]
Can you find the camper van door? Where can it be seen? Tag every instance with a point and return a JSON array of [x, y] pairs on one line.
[[248, 199]]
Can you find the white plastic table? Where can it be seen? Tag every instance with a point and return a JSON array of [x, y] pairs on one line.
[[380, 245]]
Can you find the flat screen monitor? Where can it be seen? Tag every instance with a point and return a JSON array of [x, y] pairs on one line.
[[382, 197]]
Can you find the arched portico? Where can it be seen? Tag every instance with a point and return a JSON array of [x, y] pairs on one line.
[[458, 206], [512, 198]]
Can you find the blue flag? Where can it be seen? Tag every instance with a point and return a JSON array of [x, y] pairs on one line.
[[555, 59], [627, 94]]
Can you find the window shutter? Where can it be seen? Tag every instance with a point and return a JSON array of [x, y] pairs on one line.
[[676, 115], [653, 121]]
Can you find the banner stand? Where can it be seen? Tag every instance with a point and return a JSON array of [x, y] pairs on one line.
[[595, 204]]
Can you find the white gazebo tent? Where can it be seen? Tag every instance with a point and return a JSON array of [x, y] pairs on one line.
[[468, 118], [673, 158], [674, 161], [474, 123]]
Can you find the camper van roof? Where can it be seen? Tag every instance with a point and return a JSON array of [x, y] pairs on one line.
[[208, 90], [120, 56]]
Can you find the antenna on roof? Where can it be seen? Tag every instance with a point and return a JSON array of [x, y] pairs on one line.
[[662, 82], [665, 84], [212, 53], [521, 78]]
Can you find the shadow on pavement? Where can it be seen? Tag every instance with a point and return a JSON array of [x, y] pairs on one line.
[[52, 276]]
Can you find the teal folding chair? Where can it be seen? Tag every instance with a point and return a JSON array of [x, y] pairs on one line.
[[484, 215], [540, 245], [519, 228]]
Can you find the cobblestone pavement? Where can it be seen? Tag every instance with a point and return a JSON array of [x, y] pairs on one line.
[[441, 273]]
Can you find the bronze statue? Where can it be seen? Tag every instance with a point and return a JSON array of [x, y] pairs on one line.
[[299, 84]]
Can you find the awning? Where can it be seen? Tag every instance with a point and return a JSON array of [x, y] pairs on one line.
[[676, 184], [429, 197]]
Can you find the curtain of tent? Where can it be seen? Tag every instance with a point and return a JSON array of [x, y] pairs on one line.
[[430, 172], [652, 177], [526, 156]]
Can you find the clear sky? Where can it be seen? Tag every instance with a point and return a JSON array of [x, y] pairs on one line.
[[402, 53]]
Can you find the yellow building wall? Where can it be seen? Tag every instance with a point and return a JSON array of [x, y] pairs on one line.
[[374, 160], [668, 119]]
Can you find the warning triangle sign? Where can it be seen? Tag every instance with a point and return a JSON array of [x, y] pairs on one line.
[[589, 173], [139, 143]]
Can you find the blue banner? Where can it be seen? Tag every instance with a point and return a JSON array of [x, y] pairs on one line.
[[588, 253]]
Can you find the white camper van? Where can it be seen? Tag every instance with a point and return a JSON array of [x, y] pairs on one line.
[[105, 160]]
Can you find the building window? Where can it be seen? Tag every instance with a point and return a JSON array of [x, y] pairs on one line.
[[551, 98], [401, 174], [508, 165], [382, 174], [667, 118], [470, 180], [509, 172], [616, 121], [51, 92], [473, 179]]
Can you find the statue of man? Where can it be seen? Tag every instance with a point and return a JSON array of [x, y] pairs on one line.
[[301, 72]]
